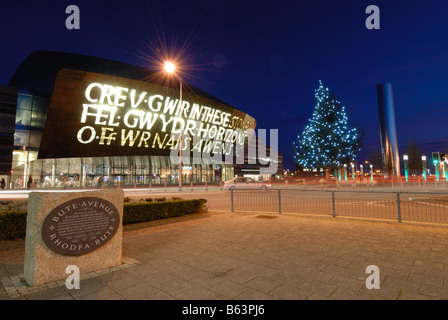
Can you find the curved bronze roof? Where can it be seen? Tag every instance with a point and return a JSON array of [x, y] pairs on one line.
[[37, 74]]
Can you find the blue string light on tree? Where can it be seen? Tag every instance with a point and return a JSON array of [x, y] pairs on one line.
[[327, 141]]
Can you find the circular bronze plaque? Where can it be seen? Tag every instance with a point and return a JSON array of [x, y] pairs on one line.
[[80, 226]]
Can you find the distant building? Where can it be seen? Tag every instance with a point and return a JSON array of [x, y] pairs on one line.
[[252, 165]]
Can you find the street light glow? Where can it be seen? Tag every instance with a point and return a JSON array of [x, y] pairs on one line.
[[169, 67]]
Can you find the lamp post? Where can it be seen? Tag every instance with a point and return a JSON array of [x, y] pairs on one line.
[[406, 167], [361, 169], [353, 172], [170, 68], [444, 170], [424, 167]]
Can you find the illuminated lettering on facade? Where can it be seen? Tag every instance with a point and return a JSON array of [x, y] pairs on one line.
[[125, 117], [97, 115]]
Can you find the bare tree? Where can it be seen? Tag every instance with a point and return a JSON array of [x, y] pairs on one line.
[[375, 158], [415, 157]]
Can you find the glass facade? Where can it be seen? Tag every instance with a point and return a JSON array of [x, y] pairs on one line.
[[85, 172], [30, 120]]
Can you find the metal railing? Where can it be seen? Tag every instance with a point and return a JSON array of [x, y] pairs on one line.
[[399, 206]]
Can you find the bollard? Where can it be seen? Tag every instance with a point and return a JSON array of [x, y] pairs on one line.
[[231, 199], [398, 207], [191, 184], [150, 185]]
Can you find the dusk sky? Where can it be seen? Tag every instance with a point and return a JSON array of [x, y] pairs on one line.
[[266, 57]]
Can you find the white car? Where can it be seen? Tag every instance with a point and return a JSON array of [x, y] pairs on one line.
[[240, 183]]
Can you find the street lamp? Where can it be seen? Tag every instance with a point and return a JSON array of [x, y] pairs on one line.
[[361, 169], [171, 68], [353, 172], [406, 169], [424, 167], [444, 170]]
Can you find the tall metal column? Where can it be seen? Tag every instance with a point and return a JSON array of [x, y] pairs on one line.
[[388, 131]]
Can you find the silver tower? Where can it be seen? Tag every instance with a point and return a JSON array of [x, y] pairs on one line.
[[388, 131]]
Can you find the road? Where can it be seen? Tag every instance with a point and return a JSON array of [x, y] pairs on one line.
[[417, 203], [216, 199]]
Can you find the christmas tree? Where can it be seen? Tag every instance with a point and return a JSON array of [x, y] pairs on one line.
[[327, 141]]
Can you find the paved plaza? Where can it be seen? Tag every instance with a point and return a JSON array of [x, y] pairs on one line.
[[242, 256]]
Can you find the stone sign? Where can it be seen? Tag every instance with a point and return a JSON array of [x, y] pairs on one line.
[[72, 228], [80, 226]]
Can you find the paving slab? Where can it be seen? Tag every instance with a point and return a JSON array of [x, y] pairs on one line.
[[239, 256]]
